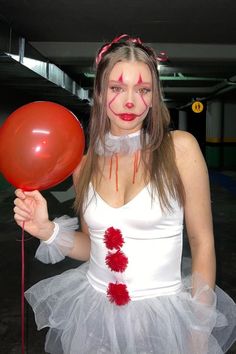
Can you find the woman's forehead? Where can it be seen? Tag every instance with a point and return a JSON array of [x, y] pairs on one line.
[[131, 70]]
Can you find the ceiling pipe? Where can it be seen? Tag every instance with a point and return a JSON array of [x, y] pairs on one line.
[[228, 85], [181, 77]]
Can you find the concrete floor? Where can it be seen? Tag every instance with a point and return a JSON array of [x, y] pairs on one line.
[[223, 187]]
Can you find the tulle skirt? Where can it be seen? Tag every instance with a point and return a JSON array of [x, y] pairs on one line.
[[82, 320]]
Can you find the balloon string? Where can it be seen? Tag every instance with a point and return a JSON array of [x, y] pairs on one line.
[[22, 290]]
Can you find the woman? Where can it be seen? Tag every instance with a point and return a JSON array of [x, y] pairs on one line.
[[133, 188]]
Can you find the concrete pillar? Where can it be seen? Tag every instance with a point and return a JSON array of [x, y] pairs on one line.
[[215, 134], [214, 122], [183, 121]]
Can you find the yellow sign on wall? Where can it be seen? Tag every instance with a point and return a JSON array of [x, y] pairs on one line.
[[197, 107]]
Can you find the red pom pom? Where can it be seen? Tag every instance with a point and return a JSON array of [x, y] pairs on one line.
[[117, 261], [118, 293], [113, 238]]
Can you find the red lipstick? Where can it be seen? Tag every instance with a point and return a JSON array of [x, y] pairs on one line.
[[127, 116]]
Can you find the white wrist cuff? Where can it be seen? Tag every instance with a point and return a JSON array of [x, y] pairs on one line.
[[54, 234], [59, 245]]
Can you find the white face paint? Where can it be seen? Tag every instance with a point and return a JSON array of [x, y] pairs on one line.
[[129, 96]]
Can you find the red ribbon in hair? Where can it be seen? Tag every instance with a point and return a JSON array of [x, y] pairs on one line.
[[115, 40]]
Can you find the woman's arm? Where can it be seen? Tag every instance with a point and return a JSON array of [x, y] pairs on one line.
[[31, 209], [198, 217]]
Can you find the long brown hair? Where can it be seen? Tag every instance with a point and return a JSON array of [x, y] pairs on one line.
[[160, 164]]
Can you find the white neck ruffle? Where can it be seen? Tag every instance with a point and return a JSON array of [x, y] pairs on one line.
[[124, 144]]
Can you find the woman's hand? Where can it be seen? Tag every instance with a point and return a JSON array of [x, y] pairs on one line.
[[31, 209]]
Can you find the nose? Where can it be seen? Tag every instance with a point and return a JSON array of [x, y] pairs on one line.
[[129, 105], [129, 98]]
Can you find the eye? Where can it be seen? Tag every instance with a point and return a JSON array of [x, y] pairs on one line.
[[144, 90], [116, 89]]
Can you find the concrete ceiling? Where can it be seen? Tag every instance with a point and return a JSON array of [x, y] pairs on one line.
[[199, 38]]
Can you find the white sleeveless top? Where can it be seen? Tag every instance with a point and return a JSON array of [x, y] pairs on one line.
[[152, 244]]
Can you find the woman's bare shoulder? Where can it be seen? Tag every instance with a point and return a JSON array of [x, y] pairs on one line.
[[187, 150], [184, 143], [183, 138]]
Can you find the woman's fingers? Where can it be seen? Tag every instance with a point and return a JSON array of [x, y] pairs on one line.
[[19, 219], [19, 222], [28, 202], [36, 195], [22, 205], [20, 194], [21, 213]]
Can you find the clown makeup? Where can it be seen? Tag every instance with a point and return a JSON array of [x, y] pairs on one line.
[[129, 96]]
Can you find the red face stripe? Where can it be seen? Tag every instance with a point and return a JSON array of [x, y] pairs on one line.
[[118, 114], [140, 80], [121, 78], [111, 101], [145, 103]]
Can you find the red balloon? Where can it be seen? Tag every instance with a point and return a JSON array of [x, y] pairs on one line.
[[41, 143]]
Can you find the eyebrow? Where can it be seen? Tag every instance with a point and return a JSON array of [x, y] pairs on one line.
[[144, 83]]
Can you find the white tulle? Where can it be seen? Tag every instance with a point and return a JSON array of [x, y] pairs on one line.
[[169, 312], [126, 144], [83, 321], [62, 244]]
